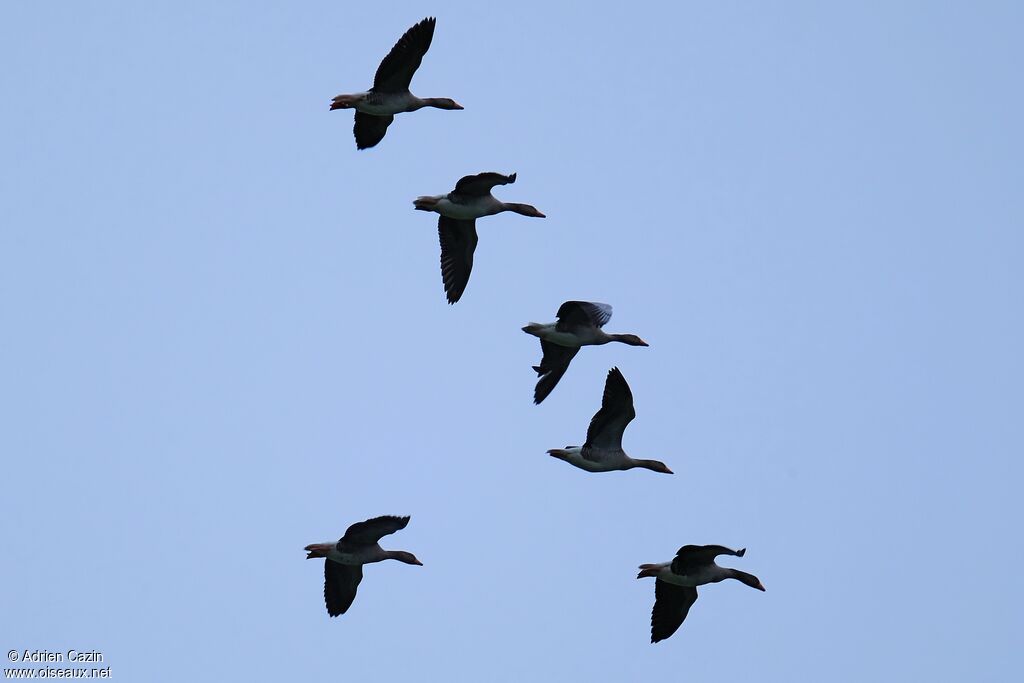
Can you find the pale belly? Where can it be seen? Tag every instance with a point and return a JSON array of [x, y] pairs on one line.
[[602, 461], [384, 106], [486, 206], [343, 558], [698, 578], [561, 338], [589, 465]]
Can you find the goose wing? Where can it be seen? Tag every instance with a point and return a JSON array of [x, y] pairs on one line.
[[573, 314], [396, 70], [552, 366], [340, 584], [458, 242], [671, 605], [481, 184], [370, 129], [692, 556], [608, 424], [372, 530]]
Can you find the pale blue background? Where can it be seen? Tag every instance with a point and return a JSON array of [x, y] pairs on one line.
[[224, 337]]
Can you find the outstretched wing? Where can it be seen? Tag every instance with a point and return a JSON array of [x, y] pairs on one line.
[[340, 584], [396, 70], [573, 314], [372, 530], [692, 556], [370, 129], [608, 424], [458, 242], [482, 183], [671, 605], [552, 366]]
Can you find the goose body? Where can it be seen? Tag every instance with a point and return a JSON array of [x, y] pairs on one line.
[[379, 103], [462, 208], [676, 581], [344, 560], [585, 336], [376, 108], [606, 463], [695, 576], [603, 450], [579, 324], [456, 225]]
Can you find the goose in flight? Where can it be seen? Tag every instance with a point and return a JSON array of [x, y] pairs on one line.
[[675, 588], [456, 227], [343, 566], [376, 108], [579, 324], [603, 450]]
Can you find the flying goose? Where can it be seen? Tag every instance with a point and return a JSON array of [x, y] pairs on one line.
[[343, 566], [675, 588], [579, 324], [456, 227], [376, 108], [603, 450]]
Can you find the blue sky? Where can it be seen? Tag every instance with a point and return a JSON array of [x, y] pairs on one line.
[[225, 337]]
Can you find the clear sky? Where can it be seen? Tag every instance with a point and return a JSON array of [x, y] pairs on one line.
[[224, 336]]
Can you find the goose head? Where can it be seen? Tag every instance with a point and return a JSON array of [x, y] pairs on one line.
[[403, 556], [630, 339], [523, 210], [443, 103]]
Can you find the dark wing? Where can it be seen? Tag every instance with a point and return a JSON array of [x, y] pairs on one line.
[[671, 605], [372, 530], [395, 73], [694, 556], [370, 129], [616, 412], [552, 366], [481, 184], [458, 242], [340, 584], [573, 314]]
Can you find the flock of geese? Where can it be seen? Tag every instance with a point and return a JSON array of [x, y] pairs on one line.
[[578, 324]]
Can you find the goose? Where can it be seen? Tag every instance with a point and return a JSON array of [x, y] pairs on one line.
[[343, 566], [675, 588], [376, 108], [603, 450], [579, 324], [456, 226]]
